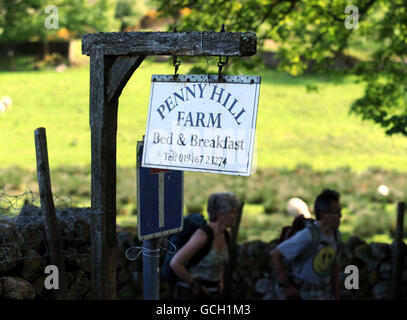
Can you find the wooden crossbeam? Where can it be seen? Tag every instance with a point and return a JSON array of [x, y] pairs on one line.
[[171, 43]]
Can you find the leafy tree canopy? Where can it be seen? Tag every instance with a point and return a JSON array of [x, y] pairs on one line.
[[315, 30], [129, 12], [23, 20]]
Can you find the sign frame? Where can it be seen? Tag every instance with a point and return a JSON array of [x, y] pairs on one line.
[[209, 79]]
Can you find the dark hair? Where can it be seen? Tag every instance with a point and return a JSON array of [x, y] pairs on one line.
[[221, 203], [323, 202]]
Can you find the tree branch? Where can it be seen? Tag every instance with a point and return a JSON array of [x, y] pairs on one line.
[[270, 10]]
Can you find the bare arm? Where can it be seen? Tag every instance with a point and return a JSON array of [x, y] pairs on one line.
[[194, 244], [277, 260]]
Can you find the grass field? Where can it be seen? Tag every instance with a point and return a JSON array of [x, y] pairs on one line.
[[295, 129]]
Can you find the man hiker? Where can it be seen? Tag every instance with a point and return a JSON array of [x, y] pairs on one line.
[[306, 264]]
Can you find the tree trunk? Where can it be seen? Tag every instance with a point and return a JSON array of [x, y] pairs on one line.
[[45, 51]]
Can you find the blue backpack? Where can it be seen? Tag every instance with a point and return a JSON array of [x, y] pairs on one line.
[[192, 222]]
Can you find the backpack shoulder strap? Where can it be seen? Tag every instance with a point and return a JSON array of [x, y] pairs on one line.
[[316, 239], [209, 234], [338, 241], [205, 249], [315, 231]]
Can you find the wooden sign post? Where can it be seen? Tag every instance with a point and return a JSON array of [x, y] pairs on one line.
[[113, 59]]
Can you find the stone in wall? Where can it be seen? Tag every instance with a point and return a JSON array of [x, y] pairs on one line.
[[79, 286], [382, 290], [10, 241], [30, 224], [38, 285], [15, 288], [380, 251], [33, 265]]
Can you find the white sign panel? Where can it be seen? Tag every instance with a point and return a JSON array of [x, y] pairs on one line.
[[197, 124]]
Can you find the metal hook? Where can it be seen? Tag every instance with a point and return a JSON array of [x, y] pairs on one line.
[[221, 63], [175, 62]]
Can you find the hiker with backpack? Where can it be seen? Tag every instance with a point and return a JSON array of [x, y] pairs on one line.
[[199, 264], [306, 261]]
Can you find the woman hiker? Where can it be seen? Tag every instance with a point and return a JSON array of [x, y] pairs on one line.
[[204, 280]]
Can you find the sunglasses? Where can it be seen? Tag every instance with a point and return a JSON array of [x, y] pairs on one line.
[[335, 212]]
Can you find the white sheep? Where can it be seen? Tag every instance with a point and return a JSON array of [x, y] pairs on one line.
[[61, 68], [383, 190], [3, 107], [296, 206], [5, 103]]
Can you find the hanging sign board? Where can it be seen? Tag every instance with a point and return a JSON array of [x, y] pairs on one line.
[[196, 123]]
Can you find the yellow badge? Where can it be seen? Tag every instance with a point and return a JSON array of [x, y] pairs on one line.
[[323, 261]]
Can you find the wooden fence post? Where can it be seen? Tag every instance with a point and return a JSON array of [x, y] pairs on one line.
[[48, 209], [398, 253]]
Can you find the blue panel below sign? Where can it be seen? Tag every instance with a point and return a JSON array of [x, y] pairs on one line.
[[159, 202]]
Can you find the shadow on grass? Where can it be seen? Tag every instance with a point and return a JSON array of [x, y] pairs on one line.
[[268, 186]]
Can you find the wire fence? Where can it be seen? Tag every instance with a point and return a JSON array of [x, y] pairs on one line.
[[21, 217], [23, 211], [12, 206]]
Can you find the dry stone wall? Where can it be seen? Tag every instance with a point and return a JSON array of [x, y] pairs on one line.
[[253, 277], [24, 256]]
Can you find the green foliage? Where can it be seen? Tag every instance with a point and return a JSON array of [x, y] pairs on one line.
[[21, 20], [369, 222], [385, 97], [51, 60], [129, 12], [82, 16], [24, 20], [314, 31]]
